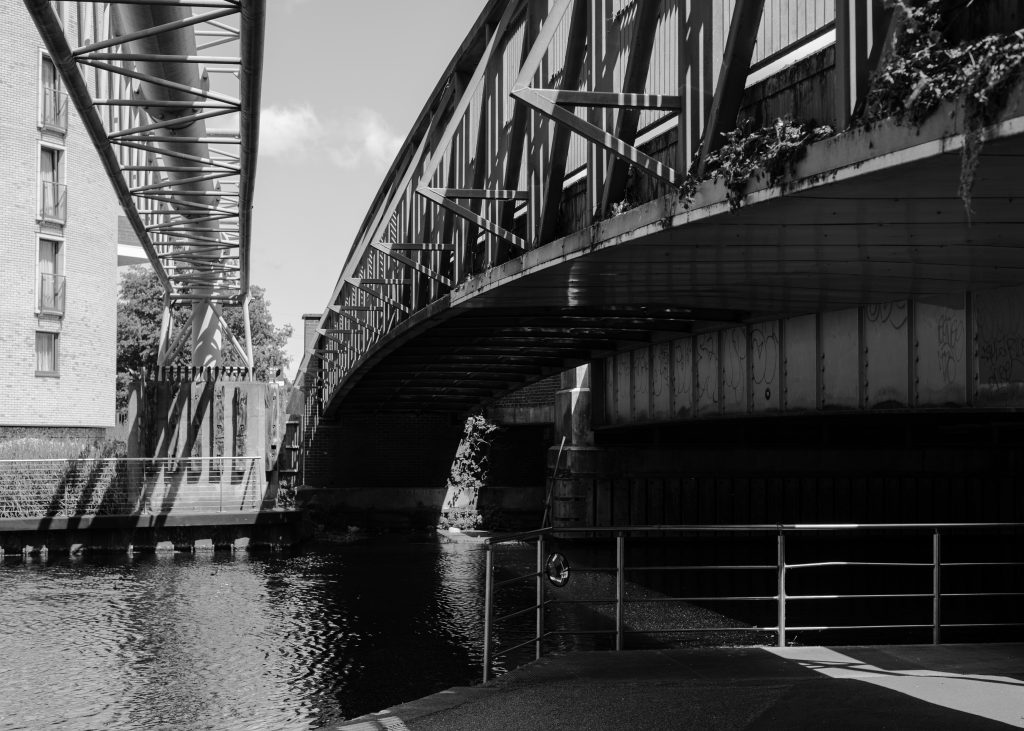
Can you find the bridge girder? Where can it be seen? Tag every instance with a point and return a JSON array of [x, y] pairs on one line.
[[160, 73], [550, 112]]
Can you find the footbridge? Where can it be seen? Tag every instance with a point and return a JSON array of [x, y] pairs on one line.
[[727, 226], [169, 95]]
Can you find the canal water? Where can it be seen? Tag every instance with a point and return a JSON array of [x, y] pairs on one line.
[[237, 641]]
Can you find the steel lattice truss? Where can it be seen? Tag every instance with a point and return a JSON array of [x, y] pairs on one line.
[[169, 95], [549, 109]]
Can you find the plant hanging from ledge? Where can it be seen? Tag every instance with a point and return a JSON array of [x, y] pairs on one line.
[[468, 474], [770, 151], [924, 70]]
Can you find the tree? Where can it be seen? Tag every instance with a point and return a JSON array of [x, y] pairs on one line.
[[140, 309]]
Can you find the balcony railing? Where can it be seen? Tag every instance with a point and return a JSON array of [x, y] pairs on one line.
[[53, 202], [51, 294], [55, 110]]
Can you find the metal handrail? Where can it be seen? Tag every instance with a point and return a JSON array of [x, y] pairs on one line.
[[84, 487], [51, 293], [157, 460], [55, 109], [53, 201], [781, 567]]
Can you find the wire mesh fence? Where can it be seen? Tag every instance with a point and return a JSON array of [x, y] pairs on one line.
[[64, 488]]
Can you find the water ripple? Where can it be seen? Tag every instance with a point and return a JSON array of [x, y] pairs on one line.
[[219, 641]]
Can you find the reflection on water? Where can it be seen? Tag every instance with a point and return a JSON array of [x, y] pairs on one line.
[[232, 641]]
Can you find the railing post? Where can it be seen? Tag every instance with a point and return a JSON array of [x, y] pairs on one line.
[[936, 587], [620, 585], [488, 608], [540, 597], [782, 588]]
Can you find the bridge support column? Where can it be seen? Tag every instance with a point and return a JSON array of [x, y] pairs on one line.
[[576, 466]]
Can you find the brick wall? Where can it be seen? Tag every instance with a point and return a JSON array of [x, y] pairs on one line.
[[309, 323], [533, 404], [83, 394], [540, 393]]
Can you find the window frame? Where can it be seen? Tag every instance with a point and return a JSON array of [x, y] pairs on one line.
[[45, 57], [60, 264], [62, 164], [55, 373]]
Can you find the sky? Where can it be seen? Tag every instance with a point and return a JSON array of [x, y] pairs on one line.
[[343, 81]]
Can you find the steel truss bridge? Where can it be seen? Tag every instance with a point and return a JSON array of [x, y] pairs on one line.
[[533, 219], [169, 93]]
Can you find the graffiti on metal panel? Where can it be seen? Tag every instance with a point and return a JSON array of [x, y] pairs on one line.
[[683, 376], [949, 331], [642, 379], [660, 368], [707, 377], [1001, 341], [734, 368], [764, 357], [893, 313]]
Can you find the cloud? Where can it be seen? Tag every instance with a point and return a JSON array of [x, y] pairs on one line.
[[363, 137], [288, 132]]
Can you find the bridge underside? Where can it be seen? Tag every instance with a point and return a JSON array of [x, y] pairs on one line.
[[870, 216]]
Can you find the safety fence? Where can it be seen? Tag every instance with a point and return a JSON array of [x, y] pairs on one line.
[[766, 581], [65, 488]]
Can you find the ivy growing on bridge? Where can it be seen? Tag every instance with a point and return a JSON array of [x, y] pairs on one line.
[[926, 69], [922, 70], [468, 474], [767, 152]]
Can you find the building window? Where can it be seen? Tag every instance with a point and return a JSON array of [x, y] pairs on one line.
[[51, 277], [47, 354], [52, 191], [54, 108], [86, 29]]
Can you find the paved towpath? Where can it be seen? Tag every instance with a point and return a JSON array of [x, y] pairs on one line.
[[886, 687]]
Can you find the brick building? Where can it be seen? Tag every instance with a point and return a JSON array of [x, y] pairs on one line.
[[58, 239]]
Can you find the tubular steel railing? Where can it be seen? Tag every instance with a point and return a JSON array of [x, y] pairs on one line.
[[65, 488], [778, 566], [51, 293], [53, 201], [55, 109]]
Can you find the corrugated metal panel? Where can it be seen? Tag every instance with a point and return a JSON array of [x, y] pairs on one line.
[[706, 384], [682, 378], [940, 335], [765, 373], [886, 354], [840, 362]]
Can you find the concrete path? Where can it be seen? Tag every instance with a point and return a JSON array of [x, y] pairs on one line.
[[887, 687]]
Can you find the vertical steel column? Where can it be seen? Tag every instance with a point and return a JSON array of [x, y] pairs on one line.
[[248, 335], [488, 608], [166, 321], [936, 587], [620, 585], [782, 588], [540, 597]]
